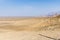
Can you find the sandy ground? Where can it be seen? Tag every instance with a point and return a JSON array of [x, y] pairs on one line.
[[29, 29], [28, 35]]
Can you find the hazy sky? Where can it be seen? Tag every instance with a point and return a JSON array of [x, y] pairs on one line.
[[28, 7]]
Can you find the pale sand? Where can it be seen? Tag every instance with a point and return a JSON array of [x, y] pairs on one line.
[[28, 35], [29, 29]]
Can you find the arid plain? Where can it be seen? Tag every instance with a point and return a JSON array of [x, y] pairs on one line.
[[30, 28]]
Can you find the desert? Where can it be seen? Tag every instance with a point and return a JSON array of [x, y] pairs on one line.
[[30, 28]]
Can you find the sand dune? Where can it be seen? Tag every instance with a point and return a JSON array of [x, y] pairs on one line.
[[30, 28], [33, 24]]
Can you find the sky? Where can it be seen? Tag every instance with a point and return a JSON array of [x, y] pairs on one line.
[[28, 7]]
